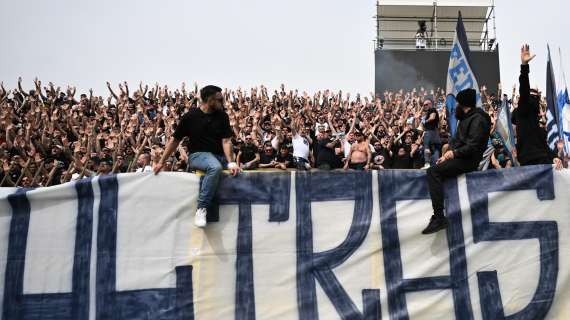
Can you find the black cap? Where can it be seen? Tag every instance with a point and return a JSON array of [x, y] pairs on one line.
[[467, 98]]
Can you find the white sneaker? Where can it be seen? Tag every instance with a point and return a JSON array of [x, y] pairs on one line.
[[200, 218], [426, 166]]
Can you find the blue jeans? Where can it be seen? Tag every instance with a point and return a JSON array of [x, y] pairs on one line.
[[212, 166], [432, 143]]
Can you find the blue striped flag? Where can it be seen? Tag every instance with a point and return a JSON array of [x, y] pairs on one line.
[[460, 73], [564, 107], [564, 121], [504, 127]]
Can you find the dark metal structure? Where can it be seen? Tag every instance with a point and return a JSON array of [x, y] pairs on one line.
[[400, 64]]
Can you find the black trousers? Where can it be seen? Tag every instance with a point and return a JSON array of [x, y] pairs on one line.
[[437, 174]]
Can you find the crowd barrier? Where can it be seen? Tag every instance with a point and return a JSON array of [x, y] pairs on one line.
[[289, 245]]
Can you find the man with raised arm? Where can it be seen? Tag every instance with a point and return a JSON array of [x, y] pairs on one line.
[[301, 145], [531, 138], [210, 149]]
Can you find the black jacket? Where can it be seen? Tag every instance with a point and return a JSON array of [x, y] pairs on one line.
[[531, 138], [470, 141]]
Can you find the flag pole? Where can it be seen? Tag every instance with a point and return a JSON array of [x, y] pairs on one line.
[[562, 67]]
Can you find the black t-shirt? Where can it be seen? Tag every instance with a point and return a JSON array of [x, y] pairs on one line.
[[385, 153], [264, 158], [325, 155], [418, 159], [248, 153], [14, 175], [204, 130], [401, 162], [56, 180], [281, 159], [431, 125]]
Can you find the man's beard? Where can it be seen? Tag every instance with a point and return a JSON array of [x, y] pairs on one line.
[[459, 113]]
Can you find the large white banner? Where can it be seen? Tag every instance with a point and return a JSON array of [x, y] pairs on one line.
[[339, 245]]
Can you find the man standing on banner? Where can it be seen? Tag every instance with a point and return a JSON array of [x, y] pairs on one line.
[[532, 147], [210, 149], [466, 151], [432, 141]]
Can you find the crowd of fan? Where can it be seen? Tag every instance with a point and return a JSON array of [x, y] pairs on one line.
[[49, 136]]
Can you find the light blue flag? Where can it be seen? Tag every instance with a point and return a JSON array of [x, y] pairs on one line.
[[564, 107], [564, 121], [450, 104], [460, 73], [504, 128]]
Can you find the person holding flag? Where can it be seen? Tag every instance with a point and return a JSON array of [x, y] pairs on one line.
[[531, 144], [470, 127], [460, 76]]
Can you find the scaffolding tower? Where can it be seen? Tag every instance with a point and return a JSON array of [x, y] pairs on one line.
[[398, 21]]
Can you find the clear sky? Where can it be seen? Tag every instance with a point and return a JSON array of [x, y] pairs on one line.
[[309, 45]]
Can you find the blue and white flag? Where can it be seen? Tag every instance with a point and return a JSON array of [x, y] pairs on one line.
[[564, 121], [564, 107], [460, 73], [504, 128], [553, 132], [450, 104]]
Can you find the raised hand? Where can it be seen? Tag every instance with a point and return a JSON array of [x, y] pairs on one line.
[[526, 56]]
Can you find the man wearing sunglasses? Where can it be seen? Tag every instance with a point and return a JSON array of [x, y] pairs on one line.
[[209, 148], [531, 138]]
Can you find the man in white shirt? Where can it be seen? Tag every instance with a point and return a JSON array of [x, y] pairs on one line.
[[301, 146], [143, 163]]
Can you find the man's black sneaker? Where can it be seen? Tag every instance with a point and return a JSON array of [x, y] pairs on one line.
[[436, 223]]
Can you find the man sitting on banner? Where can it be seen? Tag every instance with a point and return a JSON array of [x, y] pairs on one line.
[[465, 153], [210, 147], [531, 138]]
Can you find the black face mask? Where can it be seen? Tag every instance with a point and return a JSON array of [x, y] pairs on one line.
[[459, 113]]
